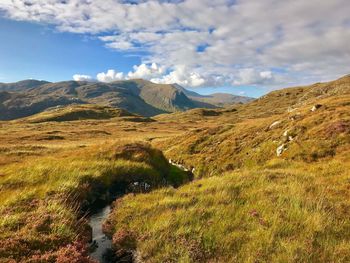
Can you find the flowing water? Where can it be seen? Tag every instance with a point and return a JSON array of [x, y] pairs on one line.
[[102, 243]]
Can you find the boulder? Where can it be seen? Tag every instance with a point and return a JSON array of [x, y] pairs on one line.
[[280, 149]]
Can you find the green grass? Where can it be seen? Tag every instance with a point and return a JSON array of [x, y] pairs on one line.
[[283, 212], [40, 199], [249, 206]]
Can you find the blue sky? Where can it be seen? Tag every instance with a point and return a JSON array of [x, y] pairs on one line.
[[207, 46], [31, 50]]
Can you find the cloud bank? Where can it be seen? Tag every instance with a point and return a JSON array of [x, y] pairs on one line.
[[79, 77], [205, 42]]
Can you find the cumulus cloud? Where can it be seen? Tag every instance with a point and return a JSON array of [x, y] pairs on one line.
[[78, 77], [182, 76], [217, 42], [145, 71], [110, 76]]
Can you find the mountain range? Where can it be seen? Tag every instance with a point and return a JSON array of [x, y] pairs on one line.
[[28, 97]]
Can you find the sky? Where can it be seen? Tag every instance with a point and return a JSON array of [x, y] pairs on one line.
[[244, 47]]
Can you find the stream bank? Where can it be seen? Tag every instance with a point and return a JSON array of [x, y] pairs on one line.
[[101, 245]]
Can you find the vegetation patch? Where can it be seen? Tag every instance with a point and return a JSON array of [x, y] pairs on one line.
[[43, 202], [78, 112], [279, 213]]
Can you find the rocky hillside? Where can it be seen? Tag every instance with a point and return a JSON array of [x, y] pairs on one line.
[[142, 97], [302, 123]]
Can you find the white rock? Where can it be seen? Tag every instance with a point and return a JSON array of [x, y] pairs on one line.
[[276, 123], [280, 149], [285, 134]]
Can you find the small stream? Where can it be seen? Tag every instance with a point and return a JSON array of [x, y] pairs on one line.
[[101, 246], [101, 242]]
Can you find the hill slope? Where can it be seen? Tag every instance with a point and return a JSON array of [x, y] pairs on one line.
[[277, 187], [137, 96], [251, 133], [217, 99], [81, 112], [22, 85]]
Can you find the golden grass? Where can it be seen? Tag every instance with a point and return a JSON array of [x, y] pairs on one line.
[[283, 212], [42, 197], [255, 207]]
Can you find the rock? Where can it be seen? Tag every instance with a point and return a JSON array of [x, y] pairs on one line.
[[316, 107], [285, 134], [280, 149], [275, 124]]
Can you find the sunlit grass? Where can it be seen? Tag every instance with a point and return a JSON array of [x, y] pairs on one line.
[[267, 214], [40, 198]]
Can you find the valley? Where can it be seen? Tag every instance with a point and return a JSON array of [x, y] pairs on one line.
[[270, 179]]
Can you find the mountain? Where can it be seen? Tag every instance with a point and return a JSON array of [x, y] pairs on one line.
[[22, 85], [216, 99], [138, 96]]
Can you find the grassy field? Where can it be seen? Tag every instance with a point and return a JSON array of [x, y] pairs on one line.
[[249, 202], [51, 172], [255, 205], [282, 212]]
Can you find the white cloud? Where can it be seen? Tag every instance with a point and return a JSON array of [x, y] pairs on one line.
[[218, 42], [145, 71], [182, 76], [266, 75], [250, 76], [110, 76], [78, 77]]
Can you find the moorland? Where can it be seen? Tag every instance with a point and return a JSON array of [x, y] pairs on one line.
[[263, 181]]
